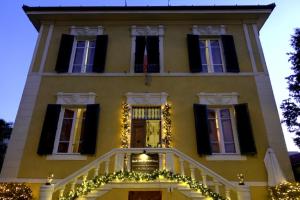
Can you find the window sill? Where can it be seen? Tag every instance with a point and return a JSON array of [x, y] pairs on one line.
[[66, 157], [216, 157]]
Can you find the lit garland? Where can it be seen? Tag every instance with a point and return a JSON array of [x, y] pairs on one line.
[[89, 185], [285, 191], [167, 137], [125, 125], [13, 191]]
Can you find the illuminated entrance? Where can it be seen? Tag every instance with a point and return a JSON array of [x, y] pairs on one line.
[[145, 127]]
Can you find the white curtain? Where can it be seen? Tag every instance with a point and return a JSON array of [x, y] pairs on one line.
[[275, 175]]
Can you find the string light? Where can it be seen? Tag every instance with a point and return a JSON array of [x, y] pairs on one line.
[[167, 123], [285, 191], [124, 176], [125, 125], [13, 191]]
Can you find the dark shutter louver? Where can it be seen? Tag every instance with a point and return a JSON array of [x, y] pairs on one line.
[[153, 54], [140, 42], [202, 129], [231, 60], [244, 129], [194, 53], [90, 129], [100, 53], [64, 53], [49, 129]]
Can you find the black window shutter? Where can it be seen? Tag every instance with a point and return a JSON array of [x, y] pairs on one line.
[[140, 42], [64, 53], [153, 54], [90, 129], [194, 53], [202, 129], [100, 53], [49, 129], [244, 129], [230, 55]]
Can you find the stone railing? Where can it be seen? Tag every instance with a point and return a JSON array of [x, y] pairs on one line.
[[169, 159]]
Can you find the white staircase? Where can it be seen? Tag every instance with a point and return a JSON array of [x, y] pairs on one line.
[[170, 160]]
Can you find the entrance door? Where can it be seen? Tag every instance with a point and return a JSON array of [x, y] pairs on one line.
[[138, 134], [144, 195]]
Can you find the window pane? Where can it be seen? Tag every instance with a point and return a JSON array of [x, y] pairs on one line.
[[63, 147], [65, 131], [80, 44], [90, 56], [213, 134], [78, 55], [78, 129], [225, 113], [230, 148], [203, 48], [218, 68]]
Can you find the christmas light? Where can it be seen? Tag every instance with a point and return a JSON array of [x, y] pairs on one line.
[[13, 191], [166, 124], [285, 191], [125, 125], [124, 176]]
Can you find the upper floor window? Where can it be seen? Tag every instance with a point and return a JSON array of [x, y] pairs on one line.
[[83, 56], [83, 51], [147, 55], [211, 50], [211, 55]]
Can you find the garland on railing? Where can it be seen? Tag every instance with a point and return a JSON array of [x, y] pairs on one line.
[[285, 191], [89, 185], [125, 121], [167, 138]]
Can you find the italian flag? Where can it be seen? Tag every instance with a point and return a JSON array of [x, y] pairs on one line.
[[145, 63]]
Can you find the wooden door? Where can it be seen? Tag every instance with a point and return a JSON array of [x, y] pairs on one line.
[[144, 195], [138, 134]]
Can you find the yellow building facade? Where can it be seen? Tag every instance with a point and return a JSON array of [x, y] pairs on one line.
[[178, 93]]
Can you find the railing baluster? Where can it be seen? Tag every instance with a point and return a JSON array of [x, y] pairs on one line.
[[227, 193], [161, 167], [96, 172], [128, 162], [73, 184], [181, 166], [170, 161], [204, 180], [61, 192], [192, 169], [217, 188], [119, 162], [107, 166]]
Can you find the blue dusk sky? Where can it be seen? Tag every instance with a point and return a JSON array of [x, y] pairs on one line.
[[18, 37]]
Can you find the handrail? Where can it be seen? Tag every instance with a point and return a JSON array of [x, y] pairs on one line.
[[81, 171], [208, 171], [111, 153]]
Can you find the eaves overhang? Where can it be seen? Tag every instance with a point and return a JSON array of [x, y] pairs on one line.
[[259, 13]]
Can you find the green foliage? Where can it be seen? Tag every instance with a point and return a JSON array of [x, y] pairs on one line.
[[291, 106], [98, 181], [15, 191], [285, 191]]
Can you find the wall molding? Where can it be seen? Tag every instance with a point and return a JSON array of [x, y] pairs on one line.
[[86, 30], [75, 98], [218, 98], [147, 30], [208, 30], [146, 98]]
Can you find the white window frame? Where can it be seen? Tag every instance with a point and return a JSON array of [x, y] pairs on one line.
[[69, 100], [223, 100], [82, 32], [208, 54], [220, 131], [85, 55], [72, 135], [147, 31]]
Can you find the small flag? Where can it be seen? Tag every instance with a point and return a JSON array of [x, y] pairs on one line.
[[145, 63]]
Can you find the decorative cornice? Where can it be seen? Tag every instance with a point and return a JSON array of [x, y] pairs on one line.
[[209, 30], [75, 98], [146, 98], [86, 31], [218, 98], [147, 30]]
